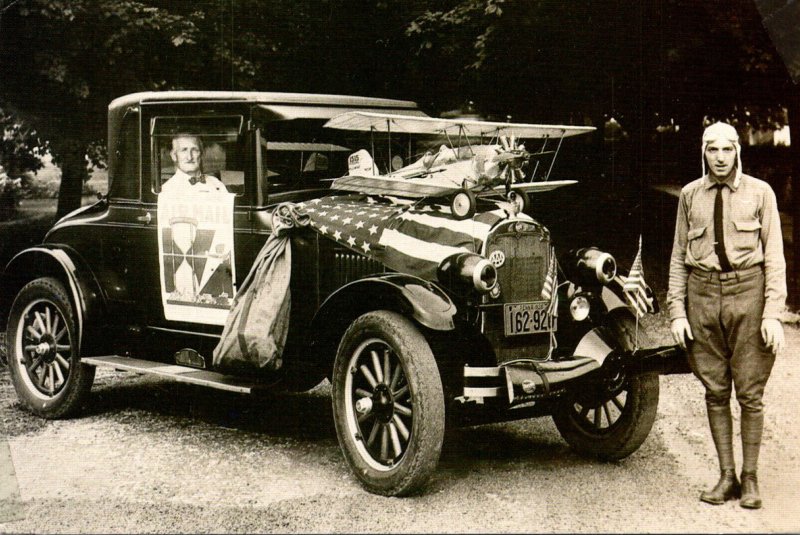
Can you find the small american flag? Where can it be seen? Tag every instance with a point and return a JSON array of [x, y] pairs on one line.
[[550, 279], [635, 288]]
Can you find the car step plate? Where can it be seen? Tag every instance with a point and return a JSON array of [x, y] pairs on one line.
[[182, 374]]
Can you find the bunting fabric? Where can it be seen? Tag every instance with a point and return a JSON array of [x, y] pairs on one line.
[[407, 238], [634, 287]]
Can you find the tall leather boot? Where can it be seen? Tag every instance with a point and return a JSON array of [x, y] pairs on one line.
[[719, 419], [752, 427]]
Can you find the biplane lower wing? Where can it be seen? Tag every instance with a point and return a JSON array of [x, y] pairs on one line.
[[389, 186], [537, 187], [415, 190]]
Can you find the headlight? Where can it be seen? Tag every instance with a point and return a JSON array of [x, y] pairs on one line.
[[468, 268], [592, 266], [579, 308]]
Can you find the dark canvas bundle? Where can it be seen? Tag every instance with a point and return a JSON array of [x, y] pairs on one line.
[[255, 331]]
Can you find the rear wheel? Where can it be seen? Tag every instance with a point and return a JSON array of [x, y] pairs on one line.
[[611, 420], [388, 404], [43, 359]]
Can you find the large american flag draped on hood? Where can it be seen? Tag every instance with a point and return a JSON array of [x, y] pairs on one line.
[[405, 238]]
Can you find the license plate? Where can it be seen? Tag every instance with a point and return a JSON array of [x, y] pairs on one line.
[[528, 318]]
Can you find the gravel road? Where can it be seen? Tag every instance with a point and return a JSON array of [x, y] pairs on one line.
[[153, 456]]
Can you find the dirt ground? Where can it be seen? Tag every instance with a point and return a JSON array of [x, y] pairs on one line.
[[152, 456]]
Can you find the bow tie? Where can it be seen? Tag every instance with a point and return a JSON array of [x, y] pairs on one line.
[[195, 180]]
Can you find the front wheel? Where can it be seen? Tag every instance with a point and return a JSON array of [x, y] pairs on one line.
[[43, 359], [463, 204], [612, 419], [388, 404]]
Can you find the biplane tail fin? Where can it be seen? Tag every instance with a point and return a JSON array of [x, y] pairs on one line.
[[360, 163]]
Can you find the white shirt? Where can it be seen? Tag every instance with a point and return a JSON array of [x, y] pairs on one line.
[[180, 182]]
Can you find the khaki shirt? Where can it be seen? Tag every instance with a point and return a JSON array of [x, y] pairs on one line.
[[752, 230]]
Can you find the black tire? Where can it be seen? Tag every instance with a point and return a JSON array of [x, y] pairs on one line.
[[394, 447], [43, 358], [612, 421]]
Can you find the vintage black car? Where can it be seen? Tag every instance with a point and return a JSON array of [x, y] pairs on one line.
[[471, 343]]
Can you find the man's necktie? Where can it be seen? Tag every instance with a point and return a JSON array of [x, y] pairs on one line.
[[195, 180], [719, 232]]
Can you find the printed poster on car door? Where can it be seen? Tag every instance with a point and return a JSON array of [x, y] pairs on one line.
[[196, 262]]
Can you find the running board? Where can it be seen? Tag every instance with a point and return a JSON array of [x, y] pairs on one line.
[[181, 374]]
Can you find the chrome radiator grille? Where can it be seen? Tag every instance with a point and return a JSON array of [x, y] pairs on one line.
[[526, 253], [525, 247]]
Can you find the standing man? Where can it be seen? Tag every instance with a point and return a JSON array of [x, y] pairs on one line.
[[727, 289], [187, 155]]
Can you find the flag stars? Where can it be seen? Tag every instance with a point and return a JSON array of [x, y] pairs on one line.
[[323, 229], [351, 241], [335, 217], [373, 229], [347, 220], [337, 235], [365, 247], [359, 224]]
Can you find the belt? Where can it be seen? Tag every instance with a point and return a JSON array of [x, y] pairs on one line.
[[727, 275]]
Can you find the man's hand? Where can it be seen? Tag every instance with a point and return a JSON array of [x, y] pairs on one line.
[[772, 333], [681, 331]]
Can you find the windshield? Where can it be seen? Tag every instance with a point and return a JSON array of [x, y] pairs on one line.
[[301, 154]]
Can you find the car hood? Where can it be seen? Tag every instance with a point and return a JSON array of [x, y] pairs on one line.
[[412, 239]]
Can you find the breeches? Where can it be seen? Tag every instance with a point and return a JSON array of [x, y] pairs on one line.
[[725, 317]]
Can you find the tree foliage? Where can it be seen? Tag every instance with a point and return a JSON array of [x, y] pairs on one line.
[[62, 62], [21, 148]]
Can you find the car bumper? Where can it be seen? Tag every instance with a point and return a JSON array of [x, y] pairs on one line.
[[529, 380]]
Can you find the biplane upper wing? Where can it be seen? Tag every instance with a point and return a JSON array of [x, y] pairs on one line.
[[369, 185], [387, 122]]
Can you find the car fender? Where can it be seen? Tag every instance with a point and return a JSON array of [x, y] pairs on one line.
[[66, 265], [424, 301], [613, 297], [599, 342]]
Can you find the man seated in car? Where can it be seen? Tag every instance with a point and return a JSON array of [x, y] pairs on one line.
[[187, 155]]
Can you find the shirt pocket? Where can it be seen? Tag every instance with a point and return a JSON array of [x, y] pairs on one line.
[[745, 238], [699, 243]]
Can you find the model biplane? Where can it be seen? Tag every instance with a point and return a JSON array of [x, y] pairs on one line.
[[479, 159]]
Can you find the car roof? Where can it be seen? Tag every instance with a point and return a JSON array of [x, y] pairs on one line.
[[257, 97]]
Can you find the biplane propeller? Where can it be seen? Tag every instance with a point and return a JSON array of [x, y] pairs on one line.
[[460, 174]]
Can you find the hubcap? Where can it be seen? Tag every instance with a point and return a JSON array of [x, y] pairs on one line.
[[379, 405], [43, 349]]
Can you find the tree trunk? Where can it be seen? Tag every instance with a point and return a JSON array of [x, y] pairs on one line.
[[793, 281], [73, 174]]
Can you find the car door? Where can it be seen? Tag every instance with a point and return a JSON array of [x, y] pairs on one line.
[[204, 245]]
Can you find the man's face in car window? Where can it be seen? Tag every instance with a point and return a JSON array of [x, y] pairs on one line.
[[187, 154]]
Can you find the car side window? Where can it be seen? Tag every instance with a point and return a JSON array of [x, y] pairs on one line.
[[296, 156], [127, 169], [219, 141]]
